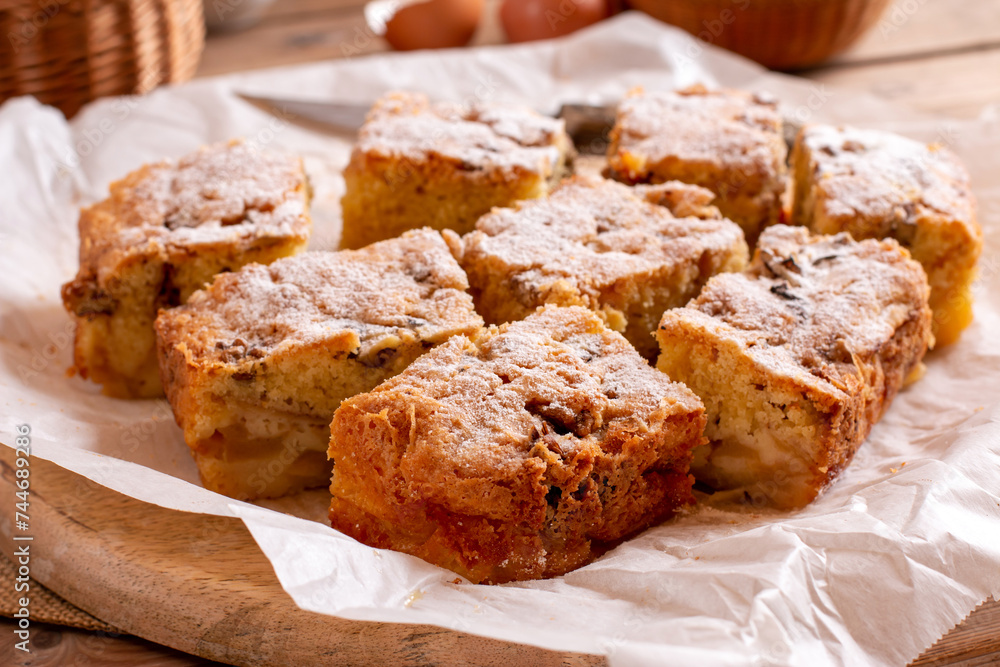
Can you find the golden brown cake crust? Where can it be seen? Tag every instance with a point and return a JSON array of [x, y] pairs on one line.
[[683, 200], [354, 305], [476, 137], [513, 455], [405, 287], [602, 245], [593, 233], [255, 365], [883, 181], [825, 326], [443, 165], [875, 184], [817, 303], [163, 232], [727, 141], [227, 193]]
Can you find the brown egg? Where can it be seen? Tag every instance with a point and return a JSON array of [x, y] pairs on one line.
[[434, 24], [528, 20]]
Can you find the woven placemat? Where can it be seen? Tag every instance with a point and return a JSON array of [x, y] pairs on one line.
[[46, 606]]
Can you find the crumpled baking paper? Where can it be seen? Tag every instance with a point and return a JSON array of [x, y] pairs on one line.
[[873, 572]]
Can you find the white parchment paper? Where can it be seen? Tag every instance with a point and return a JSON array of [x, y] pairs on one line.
[[872, 573]]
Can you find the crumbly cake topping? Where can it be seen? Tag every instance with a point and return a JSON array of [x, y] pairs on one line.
[[409, 287], [881, 175], [683, 200], [477, 136], [726, 127], [224, 192], [814, 302], [592, 232], [558, 380]]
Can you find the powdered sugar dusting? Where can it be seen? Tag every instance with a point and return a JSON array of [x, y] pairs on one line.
[[224, 193], [477, 137], [558, 373], [881, 175], [410, 287], [813, 302], [724, 127], [592, 232]]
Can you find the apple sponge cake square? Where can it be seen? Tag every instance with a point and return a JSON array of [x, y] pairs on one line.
[[165, 230], [256, 364], [601, 245], [728, 141], [517, 454], [443, 165], [876, 184], [797, 358]]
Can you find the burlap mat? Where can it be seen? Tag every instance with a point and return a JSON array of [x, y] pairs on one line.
[[46, 606]]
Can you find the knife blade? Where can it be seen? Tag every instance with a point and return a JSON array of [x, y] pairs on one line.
[[588, 125], [335, 115]]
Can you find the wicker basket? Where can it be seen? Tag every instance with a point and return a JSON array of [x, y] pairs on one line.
[[780, 34], [68, 52]]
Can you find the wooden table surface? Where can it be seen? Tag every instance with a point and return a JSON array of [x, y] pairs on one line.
[[939, 56], [199, 584]]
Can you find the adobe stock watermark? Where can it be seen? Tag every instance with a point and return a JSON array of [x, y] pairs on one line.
[[775, 654], [278, 122], [989, 262], [132, 438], [777, 487], [137, 435], [563, 12], [22, 539], [377, 14], [203, 536], [817, 98], [56, 342], [268, 478], [946, 134], [486, 87], [662, 590], [898, 16], [122, 107], [711, 30], [92, 137], [31, 26], [224, 8], [955, 303]]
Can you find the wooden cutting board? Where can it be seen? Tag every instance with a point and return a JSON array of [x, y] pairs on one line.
[[200, 584]]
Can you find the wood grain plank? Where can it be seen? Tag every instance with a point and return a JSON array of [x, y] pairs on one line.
[[294, 31], [57, 646], [974, 642], [307, 31], [284, 9], [271, 44], [921, 27], [199, 584], [959, 85], [899, 60]]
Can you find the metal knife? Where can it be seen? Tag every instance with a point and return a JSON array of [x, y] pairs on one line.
[[587, 125]]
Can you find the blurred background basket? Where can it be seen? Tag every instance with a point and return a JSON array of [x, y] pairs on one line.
[[68, 52], [780, 34]]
